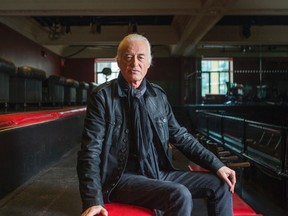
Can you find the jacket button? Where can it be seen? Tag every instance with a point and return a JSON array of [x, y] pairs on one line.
[[123, 150]]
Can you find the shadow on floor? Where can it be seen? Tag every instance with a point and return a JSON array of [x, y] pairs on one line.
[[52, 192]]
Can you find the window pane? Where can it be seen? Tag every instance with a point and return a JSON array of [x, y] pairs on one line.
[[205, 84], [100, 65], [214, 83], [224, 78], [215, 74], [223, 65]]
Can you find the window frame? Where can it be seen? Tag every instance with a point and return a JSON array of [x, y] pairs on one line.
[[219, 73], [115, 71]]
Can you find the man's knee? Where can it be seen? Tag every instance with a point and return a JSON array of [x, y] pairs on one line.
[[216, 187], [218, 183], [182, 193], [223, 186]]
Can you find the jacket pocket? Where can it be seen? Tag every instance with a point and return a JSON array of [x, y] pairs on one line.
[[113, 130], [162, 128]]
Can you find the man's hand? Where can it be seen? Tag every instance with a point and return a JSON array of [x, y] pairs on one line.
[[95, 210], [229, 176]]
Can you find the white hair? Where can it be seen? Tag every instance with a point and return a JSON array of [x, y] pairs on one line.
[[131, 38]]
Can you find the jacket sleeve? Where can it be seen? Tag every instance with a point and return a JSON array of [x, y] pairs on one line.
[[189, 145], [88, 164]]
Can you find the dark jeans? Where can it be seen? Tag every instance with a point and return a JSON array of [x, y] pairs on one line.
[[173, 193]]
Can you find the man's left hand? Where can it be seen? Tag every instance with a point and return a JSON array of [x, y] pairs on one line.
[[229, 176]]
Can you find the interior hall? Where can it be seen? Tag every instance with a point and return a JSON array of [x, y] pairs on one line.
[[222, 63]]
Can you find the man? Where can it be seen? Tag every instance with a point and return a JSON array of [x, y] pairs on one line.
[[123, 157]]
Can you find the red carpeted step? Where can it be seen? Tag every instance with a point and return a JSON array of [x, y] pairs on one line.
[[240, 207]]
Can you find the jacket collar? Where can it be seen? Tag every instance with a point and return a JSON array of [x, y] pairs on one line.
[[149, 89]]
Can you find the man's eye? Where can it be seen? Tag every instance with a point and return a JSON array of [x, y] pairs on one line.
[[141, 57], [128, 57]]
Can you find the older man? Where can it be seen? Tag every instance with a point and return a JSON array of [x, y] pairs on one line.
[[124, 152]]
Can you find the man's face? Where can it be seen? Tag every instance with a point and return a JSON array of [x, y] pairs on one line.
[[134, 62]]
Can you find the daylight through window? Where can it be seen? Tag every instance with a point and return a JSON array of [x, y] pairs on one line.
[[215, 74], [100, 64]]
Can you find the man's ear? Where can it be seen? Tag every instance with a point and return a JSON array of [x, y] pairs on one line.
[[149, 65]]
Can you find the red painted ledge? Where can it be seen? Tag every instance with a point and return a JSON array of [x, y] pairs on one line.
[[22, 119]]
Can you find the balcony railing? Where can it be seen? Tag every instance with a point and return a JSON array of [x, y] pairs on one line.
[[263, 144]]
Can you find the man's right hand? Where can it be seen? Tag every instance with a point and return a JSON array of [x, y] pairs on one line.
[[95, 210]]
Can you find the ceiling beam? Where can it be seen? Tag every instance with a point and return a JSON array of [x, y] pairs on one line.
[[111, 35], [25, 26], [198, 26], [259, 7], [194, 22], [92, 7], [260, 35]]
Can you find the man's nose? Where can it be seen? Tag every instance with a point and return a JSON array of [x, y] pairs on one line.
[[134, 60]]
